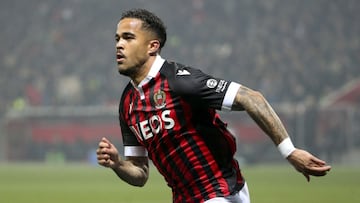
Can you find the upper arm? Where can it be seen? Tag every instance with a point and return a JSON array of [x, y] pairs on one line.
[[202, 89], [245, 98]]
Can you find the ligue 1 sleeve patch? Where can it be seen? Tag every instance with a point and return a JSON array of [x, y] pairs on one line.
[[211, 83], [220, 85]]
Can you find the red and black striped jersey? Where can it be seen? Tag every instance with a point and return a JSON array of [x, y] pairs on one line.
[[172, 116]]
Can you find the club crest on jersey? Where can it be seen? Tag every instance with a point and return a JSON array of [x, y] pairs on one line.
[[159, 99]]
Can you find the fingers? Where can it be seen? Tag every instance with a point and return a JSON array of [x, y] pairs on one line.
[[107, 154], [104, 152], [102, 157], [103, 147], [104, 143], [317, 171], [104, 162], [317, 167], [318, 161], [307, 176], [105, 140], [308, 164]]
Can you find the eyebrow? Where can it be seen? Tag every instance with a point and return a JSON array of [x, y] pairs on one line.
[[125, 34], [128, 34]]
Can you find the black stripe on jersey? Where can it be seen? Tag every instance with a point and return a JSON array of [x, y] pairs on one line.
[[159, 158], [143, 109], [131, 96], [209, 173], [150, 88], [129, 139], [156, 158], [182, 111], [152, 92], [185, 182], [183, 155], [135, 105], [175, 145]]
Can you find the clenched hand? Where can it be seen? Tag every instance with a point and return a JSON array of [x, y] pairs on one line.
[[107, 154]]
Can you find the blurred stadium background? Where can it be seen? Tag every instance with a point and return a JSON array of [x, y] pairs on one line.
[[60, 87]]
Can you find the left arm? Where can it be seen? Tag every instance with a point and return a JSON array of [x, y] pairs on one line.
[[262, 113]]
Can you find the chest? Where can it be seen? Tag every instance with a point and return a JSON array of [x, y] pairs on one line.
[[155, 112]]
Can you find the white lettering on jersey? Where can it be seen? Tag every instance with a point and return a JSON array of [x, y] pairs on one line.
[[221, 86], [169, 122], [145, 129], [154, 125]]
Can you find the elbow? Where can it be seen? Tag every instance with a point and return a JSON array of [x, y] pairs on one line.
[[258, 98], [258, 95], [143, 177], [139, 182], [139, 185]]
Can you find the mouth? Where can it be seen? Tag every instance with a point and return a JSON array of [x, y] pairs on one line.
[[120, 57]]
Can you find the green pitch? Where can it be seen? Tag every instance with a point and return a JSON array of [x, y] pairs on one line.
[[38, 183]]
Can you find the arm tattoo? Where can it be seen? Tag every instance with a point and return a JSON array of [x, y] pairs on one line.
[[261, 112]]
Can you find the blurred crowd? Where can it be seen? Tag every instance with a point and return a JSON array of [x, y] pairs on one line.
[[63, 52]]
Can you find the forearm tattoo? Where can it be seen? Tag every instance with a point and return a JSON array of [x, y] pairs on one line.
[[261, 112]]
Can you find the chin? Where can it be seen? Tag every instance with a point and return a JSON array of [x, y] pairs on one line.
[[122, 72], [126, 72], [121, 69]]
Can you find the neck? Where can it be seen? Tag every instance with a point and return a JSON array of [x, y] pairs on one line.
[[143, 71]]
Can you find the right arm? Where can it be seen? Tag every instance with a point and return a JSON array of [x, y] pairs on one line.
[[133, 170]]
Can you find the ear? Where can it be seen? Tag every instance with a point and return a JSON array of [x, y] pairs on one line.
[[154, 47]]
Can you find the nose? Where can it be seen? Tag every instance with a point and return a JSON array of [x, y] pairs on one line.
[[120, 44]]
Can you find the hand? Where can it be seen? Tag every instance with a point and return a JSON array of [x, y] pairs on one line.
[[307, 164], [107, 154]]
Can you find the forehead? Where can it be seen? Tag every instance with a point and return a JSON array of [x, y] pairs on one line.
[[129, 25]]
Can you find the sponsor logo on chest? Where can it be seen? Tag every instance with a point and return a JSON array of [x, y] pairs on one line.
[[154, 125]]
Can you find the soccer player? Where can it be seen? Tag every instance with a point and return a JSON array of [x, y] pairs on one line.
[[167, 114]]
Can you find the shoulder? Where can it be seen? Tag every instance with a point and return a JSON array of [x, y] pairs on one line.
[[126, 90], [183, 79]]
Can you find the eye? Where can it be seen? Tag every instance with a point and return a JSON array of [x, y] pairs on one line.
[[128, 36], [117, 38], [124, 36]]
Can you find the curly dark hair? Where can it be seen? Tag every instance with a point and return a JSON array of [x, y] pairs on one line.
[[150, 22]]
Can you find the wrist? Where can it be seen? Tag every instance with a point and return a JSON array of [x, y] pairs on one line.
[[286, 147], [116, 164]]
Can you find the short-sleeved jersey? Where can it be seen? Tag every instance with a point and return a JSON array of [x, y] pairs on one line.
[[172, 114]]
